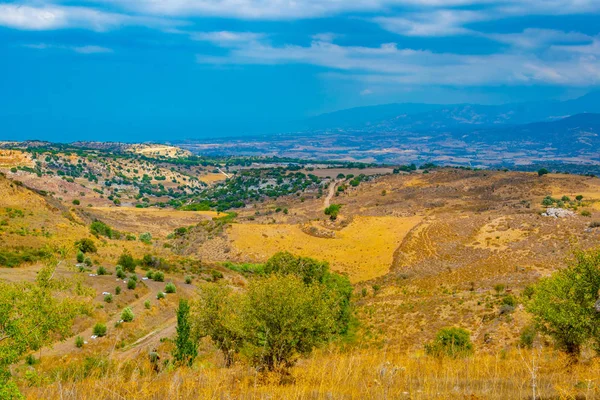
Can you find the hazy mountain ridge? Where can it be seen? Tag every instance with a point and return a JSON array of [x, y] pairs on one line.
[[427, 117]]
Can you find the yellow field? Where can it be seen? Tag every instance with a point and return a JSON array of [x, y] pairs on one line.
[[374, 374], [211, 178], [497, 234], [364, 249], [154, 220]]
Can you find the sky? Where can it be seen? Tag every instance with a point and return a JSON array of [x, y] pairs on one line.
[[135, 70]]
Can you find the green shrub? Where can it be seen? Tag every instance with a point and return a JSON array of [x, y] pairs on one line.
[[99, 329], [146, 238], [131, 284], [586, 213], [86, 246], [79, 342], [127, 261], [160, 295], [158, 276], [149, 274], [528, 335], [118, 290], [147, 305], [76, 202], [170, 288], [333, 210], [101, 271], [127, 314], [88, 261], [451, 342], [10, 391], [120, 272], [188, 279], [543, 171], [108, 298], [80, 256]]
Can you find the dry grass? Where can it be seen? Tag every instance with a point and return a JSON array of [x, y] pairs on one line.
[[157, 221], [212, 178], [357, 374], [364, 249]]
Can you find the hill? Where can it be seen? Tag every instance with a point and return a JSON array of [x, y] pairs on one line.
[[424, 251]]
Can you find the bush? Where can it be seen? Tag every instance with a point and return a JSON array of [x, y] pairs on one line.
[[118, 290], [88, 261], [86, 246], [188, 279], [108, 298], [149, 274], [451, 342], [528, 335], [586, 213], [333, 211], [80, 256], [543, 171], [146, 238], [160, 295], [76, 202], [147, 305], [99, 329], [98, 228], [127, 314], [131, 284], [170, 288], [127, 261], [563, 305], [120, 272], [101, 271], [158, 276], [79, 342]]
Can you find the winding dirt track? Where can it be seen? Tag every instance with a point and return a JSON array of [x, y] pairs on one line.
[[330, 194]]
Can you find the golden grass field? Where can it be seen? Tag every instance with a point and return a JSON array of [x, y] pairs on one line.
[[364, 249], [356, 374]]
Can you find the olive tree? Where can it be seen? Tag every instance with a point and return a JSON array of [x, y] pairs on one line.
[[566, 307]]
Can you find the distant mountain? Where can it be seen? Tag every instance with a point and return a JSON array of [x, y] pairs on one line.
[[571, 134], [458, 117]]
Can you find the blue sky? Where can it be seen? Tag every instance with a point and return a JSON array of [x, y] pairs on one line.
[[170, 69]]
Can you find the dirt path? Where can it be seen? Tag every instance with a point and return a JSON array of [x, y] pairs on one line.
[[330, 194]]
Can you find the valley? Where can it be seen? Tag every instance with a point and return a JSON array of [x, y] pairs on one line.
[[424, 249]]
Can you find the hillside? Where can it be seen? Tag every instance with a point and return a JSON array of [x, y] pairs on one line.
[[424, 251]]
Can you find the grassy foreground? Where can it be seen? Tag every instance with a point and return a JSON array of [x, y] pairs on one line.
[[357, 374]]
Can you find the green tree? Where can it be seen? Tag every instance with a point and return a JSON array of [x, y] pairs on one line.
[[186, 348], [284, 318], [34, 315], [543, 171], [563, 305], [216, 315]]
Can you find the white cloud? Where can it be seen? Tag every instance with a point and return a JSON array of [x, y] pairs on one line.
[[536, 38], [92, 49], [88, 49], [366, 92], [227, 38], [50, 17], [294, 9], [433, 23], [421, 67]]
